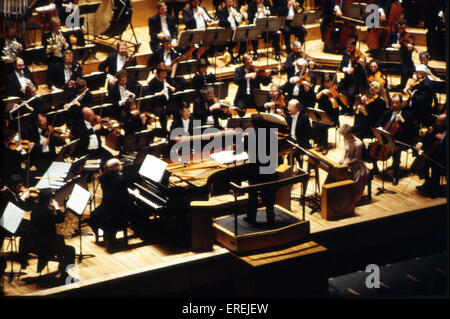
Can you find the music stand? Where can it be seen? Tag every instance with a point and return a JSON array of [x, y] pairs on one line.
[[10, 221], [184, 67], [76, 204], [270, 24], [246, 33], [221, 89], [55, 99], [137, 73], [388, 59], [384, 138], [136, 141], [357, 11], [95, 80], [85, 52], [34, 55], [305, 17], [188, 38], [88, 8], [261, 97], [217, 36], [319, 116], [67, 150]]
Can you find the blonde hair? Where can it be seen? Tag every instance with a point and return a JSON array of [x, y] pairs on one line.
[[376, 86], [345, 129]]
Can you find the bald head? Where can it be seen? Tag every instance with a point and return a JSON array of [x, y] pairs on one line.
[[88, 114], [294, 106], [113, 165]]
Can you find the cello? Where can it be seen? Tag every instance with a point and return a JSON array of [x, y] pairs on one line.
[[381, 152]]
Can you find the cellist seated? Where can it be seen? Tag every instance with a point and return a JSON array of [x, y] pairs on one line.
[[401, 125]]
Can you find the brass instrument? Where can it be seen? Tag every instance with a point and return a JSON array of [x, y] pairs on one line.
[[11, 50], [55, 43]]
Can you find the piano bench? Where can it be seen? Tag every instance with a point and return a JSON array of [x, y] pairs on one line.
[[123, 228]]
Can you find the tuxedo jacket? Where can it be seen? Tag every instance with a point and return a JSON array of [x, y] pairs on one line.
[[32, 134], [48, 35], [111, 64], [12, 84], [55, 74], [358, 75], [302, 129], [223, 18], [307, 98], [409, 129], [114, 96], [200, 81], [189, 20], [178, 122], [80, 131], [154, 26], [158, 56], [253, 8], [241, 82], [422, 99]]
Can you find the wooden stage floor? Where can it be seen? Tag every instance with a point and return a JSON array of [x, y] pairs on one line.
[[146, 256]]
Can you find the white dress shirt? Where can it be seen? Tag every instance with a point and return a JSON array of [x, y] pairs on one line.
[[231, 19], [200, 20], [120, 61], [21, 77], [93, 142], [293, 125], [164, 26], [185, 125], [42, 139]]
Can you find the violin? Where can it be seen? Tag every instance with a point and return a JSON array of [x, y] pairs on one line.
[[20, 145], [33, 191], [261, 70], [377, 76], [357, 57], [53, 131]]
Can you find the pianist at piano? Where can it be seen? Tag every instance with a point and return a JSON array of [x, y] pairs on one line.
[[117, 207]]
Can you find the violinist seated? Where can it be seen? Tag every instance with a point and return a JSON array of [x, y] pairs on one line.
[[400, 124], [374, 73], [258, 9], [117, 208], [45, 241], [89, 130], [248, 78], [133, 120], [207, 105], [162, 25], [352, 65], [299, 128], [63, 74], [120, 93], [45, 138], [16, 150], [290, 65], [166, 53], [434, 145], [229, 17], [276, 103], [161, 87], [196, 17], [326, 101], [17, 79], [368, 112], [404, 42], [201, 78], [116, 62], [421, 94], [55, 42], [300, 86], [288, 8]]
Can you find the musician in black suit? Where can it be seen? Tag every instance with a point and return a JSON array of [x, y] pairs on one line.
[[229, 17], [12, 156], [262, 9], [183, 120], [32, 102], [16, 80], [407, 134], [55, 41], [275, 101], [132, 119], [207, 105], [162, 25], [290, 63], [354, 78], [300, 87], [43, 152], [434, 143], [201, 78], [120, 93], [248, 80], [89, 130], [46, 242], [160, 86], [299, 127], [117, 207], [116, 61], [11, 46], [406, 48], [287, 8], [62, 74], [422, 96], [82, 99]]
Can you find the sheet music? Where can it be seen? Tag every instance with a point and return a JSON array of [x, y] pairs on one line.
[[12, 216], [153, 168], [228, 157], [54, 176], [78, 199]]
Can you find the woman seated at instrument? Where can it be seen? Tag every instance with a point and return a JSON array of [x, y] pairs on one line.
[[326, 101], [352, 158], [368, 111]]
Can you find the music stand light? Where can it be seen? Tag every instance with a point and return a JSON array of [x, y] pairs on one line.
[[384, 138]]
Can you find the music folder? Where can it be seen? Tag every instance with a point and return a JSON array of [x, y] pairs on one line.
[[78, 199]]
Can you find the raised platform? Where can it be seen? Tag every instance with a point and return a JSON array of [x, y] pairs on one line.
[[287, 228]]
